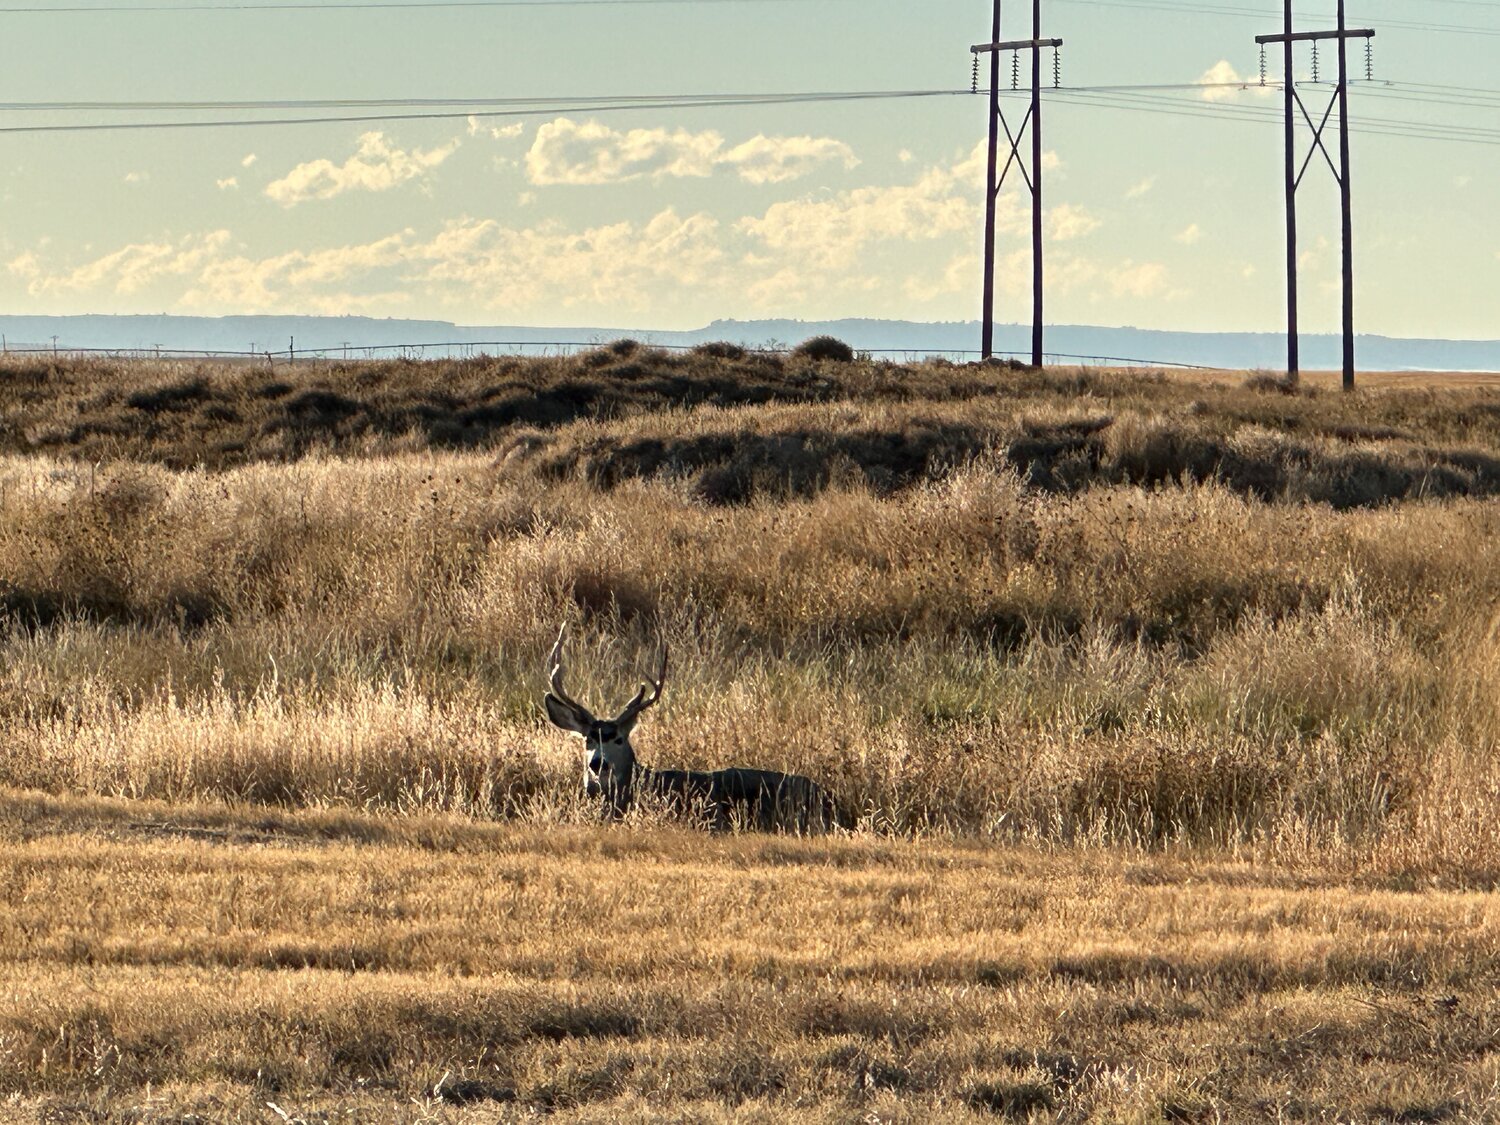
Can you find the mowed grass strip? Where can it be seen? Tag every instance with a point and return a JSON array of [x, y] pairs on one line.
[[157, 961]]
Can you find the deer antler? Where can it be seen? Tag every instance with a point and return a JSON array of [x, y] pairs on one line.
[[642, 700], [555, 674]]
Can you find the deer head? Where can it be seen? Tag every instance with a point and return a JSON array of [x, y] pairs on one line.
[[610, 761]]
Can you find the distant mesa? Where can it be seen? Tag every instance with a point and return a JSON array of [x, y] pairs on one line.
[[361, 336]]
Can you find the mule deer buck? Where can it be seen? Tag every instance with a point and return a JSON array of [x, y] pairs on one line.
[[762, 799]]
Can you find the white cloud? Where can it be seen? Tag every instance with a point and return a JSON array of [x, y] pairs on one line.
[[776, 160], [567, 152], [1139, 189], [1093, 279], [533, 270], [624, 264], [25, 266], [882, 247], [1189, 235], [285, 280], [127, 270], [376, 166], [137, 177], [1131, 279], [960, 275], [830, 232], [228, 183], [1223, 83], [1313, 258], [1217, 78], [1068, 221], [495, 132], [249, 160]]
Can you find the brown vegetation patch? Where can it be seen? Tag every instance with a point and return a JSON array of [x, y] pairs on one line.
[[735, 468], [525, 971], [1304, 445], [220, 416]]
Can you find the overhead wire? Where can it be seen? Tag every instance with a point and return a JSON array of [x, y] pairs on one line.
[[1245, 12], [1170, 98], [572, 101], [246, 6], [1185, 107], [354, 6], [1153, 97], [541, 110]]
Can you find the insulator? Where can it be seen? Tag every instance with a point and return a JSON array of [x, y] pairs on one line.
[[1262, 64], [974, 81], [1315, 60], [1369, 60], [1015, 70], [1056, 69]]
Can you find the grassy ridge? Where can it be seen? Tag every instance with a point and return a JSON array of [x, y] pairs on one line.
[[1006, 634], [1064, 430]]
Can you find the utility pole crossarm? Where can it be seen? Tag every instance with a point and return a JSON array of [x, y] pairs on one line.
[[1307, 36], [1015, 45]]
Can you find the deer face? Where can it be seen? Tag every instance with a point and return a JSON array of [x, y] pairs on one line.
[[609, 758], [610, 772]]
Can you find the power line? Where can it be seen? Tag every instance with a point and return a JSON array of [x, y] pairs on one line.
[[1238, 11], [572, 106], [1245, 12], [1228, 111], [358, 5], [1477, 97], [1157, 98], [375, 5], [553, 104], [572, 101]]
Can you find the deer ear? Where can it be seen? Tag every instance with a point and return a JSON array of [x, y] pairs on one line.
[[566, 717]]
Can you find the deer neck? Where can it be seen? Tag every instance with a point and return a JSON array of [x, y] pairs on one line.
[[618, 778]]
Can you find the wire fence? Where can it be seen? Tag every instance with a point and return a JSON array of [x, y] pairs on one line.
[[481, 349]]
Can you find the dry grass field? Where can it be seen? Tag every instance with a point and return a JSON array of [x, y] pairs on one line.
[[169, 963], [1167, 710]]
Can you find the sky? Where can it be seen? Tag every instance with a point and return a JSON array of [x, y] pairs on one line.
[[672, 217]]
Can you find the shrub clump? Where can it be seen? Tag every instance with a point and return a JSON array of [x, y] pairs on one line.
[[612, 352], [1263, 382], [720, 349], [826, 349]]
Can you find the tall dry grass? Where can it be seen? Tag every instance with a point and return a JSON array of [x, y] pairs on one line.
[[970, 654]]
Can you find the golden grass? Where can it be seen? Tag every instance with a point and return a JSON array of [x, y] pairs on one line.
[[1169, 715], [210, 961], [966, 656]]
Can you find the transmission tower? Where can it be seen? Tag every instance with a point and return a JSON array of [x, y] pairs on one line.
[[995, 178], [1294, 174]]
